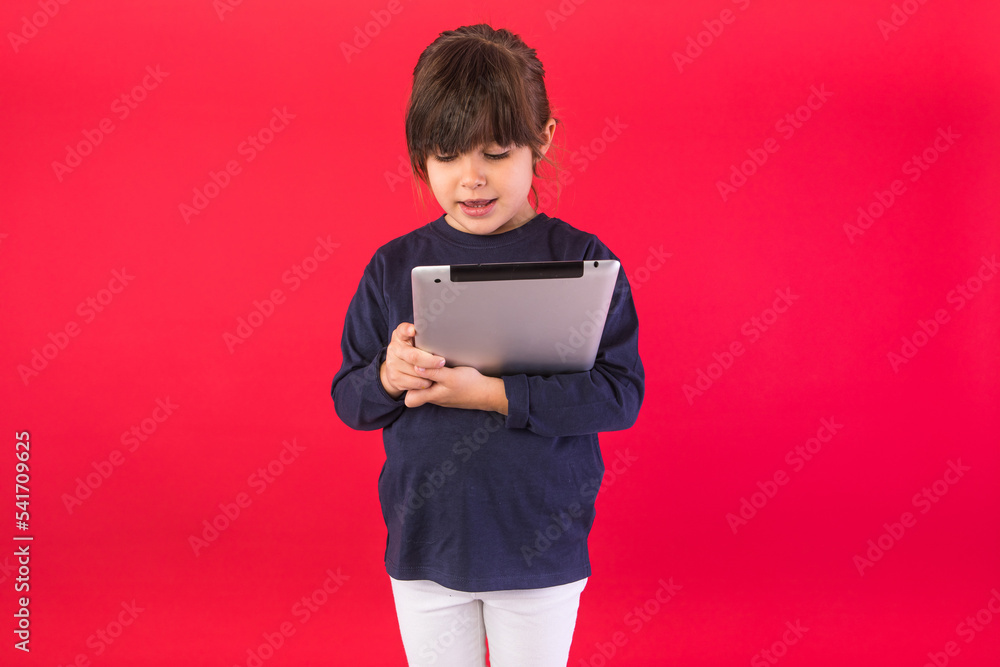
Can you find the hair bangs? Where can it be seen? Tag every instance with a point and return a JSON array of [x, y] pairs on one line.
[[473, 87], [468, 122], [469, 97]]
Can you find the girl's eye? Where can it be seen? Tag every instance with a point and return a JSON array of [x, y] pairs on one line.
[[488, 156]]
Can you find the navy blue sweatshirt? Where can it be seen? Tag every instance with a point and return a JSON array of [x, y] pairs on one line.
[[475, 500]]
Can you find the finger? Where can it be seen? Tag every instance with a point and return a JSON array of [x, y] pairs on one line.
[[406, 379], [432, 394], [405, 333], [433, 374], [399, 343], [403, 362], [425, 361], [402, 347], [415, 398], [421, 358]]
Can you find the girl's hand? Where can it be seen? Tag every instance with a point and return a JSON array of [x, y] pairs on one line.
[[399, 370], [462, 387]]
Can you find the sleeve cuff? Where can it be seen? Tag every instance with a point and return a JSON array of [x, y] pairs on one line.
[[516, 389], [374, 376]]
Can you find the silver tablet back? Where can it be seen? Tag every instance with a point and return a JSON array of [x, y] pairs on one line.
[[504, 319]]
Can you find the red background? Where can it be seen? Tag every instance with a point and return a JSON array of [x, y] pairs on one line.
[[652, 189]]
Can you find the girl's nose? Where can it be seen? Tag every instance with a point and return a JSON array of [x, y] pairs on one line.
[[473, 175]]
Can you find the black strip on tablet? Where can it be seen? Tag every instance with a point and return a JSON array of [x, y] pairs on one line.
[[465, 273]]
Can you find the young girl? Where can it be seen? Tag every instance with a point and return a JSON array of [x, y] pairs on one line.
[[489, 483]]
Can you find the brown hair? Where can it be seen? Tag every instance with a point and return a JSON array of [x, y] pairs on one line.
[[471, 87]]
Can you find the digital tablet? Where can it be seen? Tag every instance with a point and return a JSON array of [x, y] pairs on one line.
[[503, 319]]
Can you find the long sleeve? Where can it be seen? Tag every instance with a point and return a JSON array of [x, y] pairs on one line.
[[471, 500], [358, 395], [605, 398]]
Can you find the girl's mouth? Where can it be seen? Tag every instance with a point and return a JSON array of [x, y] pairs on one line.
[[477, 207]]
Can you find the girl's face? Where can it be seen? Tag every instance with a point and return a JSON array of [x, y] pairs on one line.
[[485, 191]]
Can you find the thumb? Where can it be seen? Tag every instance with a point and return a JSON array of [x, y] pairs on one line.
[[415, 398], [405, 333]]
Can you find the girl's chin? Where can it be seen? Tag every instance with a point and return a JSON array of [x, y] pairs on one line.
[[474, 225], [487, 223]]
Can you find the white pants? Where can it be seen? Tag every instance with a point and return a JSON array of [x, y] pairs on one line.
[[448, 628]]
